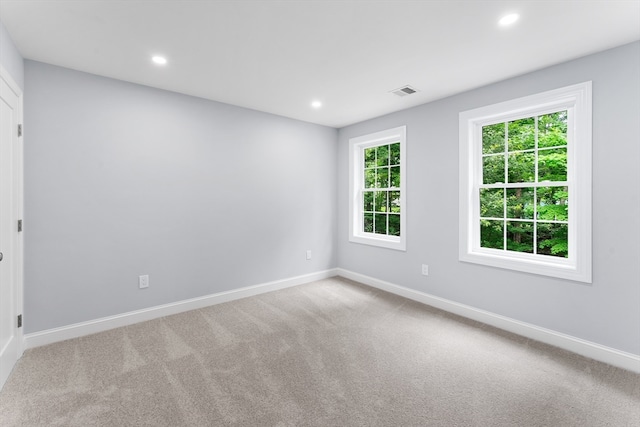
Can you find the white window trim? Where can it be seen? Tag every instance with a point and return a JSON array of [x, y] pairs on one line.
[[577, 100], [356, 150]]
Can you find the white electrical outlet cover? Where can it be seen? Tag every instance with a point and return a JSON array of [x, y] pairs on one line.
[[143, 281]]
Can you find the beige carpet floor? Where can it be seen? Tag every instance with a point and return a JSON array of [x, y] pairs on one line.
[[329, 353]]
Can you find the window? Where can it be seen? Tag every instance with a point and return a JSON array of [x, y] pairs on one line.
[[525, 184], [377, 189]]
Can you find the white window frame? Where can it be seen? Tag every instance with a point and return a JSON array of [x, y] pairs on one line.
[[576, 99], [356, 184]]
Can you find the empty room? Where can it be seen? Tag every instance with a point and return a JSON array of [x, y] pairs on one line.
[[319, 213]]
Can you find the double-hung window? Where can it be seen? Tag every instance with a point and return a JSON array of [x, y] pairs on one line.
[[377, 200], [525, 184]]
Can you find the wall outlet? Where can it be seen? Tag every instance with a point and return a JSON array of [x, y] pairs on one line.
[[143, 281], [309, 254], [425, 270]]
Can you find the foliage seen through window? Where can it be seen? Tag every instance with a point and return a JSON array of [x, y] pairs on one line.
[[381, 193], [524, 194]]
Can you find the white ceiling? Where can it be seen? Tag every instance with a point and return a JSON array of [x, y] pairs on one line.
[[278, 56]]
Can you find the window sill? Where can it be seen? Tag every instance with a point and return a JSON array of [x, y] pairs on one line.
[[389, 242], [560, 268]]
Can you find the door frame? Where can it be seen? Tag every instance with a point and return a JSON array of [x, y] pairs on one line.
[[17, 194]]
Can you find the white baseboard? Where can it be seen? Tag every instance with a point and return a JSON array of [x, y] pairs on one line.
[[76, 330], [576, 345], [585, 348]]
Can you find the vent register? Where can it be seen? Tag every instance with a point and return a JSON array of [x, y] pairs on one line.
[[404, 91]]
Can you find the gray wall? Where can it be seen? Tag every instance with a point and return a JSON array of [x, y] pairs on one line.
[[606, 312], [10, 58], [123, 180]]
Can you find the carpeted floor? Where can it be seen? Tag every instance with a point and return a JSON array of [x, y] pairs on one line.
[[329, 353]]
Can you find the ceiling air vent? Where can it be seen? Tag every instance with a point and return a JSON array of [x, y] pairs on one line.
[[404, 91]]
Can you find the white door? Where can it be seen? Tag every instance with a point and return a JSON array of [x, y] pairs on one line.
[[10, 246]]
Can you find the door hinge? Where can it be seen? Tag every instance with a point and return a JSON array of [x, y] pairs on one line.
[[19, 225], [19, 320], [19, 130]]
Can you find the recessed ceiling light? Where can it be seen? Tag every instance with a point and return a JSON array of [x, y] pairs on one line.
[[316, 104], [508, 19], [159, 60]]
